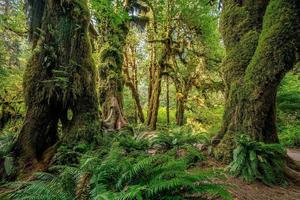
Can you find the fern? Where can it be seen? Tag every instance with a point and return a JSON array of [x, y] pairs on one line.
[[50, 189], [177, 137], [255, 160], [6, 143], [144, 177], [121, 175]]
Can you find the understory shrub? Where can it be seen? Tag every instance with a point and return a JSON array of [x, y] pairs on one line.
[[123, 171], [256, 160]]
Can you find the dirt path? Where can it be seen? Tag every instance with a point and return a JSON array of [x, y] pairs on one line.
[[294, 154], [258, 191]]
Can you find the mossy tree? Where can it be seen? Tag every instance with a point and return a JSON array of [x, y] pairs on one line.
[[114, 24], [185, 41], [130, 71], [262, 44], [59, 81]]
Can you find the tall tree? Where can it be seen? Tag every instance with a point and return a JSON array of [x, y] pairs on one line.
[[185, 46], [262, 40], [60, 79], [114, 21], [155, 69], [113, 29], [130, 71]]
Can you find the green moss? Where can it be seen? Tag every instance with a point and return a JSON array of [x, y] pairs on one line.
[[52, 72], [223, 152], [234, 23], [276, 49], [258, 54]]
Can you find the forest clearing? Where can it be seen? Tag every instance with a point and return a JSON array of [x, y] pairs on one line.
[[149, 100]]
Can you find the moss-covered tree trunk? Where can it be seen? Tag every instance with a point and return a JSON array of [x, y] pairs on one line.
[[111, 87], [183, 87], [181, 97], [59, 78], [111, 78], [180, 104], [154, 89], [131, 81], [159, 67], [113, 33], [168, 100], [154, 100], [262, 42]]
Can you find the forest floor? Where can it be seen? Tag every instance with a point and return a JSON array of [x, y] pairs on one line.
[[259, 191], [294, 153]]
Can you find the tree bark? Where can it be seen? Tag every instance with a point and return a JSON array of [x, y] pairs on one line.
[[154, 101], [181, 98], [132, 82], [258, 57], [168, 100], [110, 70], [60, 76], [180, 112]]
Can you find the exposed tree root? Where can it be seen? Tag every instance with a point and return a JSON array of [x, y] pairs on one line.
[[292, 163], [292, 170], [115, 119]]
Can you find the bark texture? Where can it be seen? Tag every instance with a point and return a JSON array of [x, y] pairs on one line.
[[131, 81], [262, 44], [60, 77], [111, 78]]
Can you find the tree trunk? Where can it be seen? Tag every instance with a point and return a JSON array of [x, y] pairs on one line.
[[151, 73], [168, 101], [110, 70], [135, 96], [154, 90], [154, 101], [132, 82], [181, 98], [60, 76], [254, 66], [139, 111], [180, 112]]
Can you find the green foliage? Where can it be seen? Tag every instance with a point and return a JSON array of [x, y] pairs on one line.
[[177, 137], [288, 103], [162, 113], [12, 34], [6, 143], [255, 160], [123, 171], [7, 164], [130, 144], [104, 11], [47, 187], [146, 177], [12, 108], [289, 134]]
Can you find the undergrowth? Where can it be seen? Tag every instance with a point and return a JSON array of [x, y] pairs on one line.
[[258, 161], [123, 169]]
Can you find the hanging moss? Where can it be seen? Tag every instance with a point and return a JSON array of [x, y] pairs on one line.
[[113, 34]]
